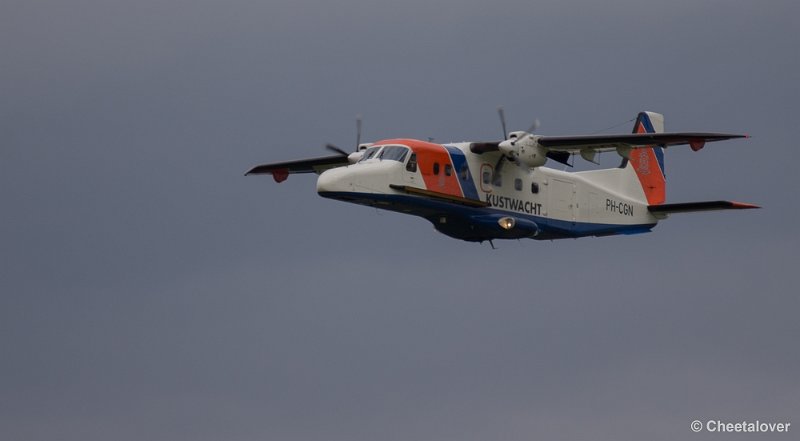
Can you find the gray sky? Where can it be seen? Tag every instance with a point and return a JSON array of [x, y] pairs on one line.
[[149, 291]]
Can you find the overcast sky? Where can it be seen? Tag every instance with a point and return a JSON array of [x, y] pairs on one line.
[[150, 291]]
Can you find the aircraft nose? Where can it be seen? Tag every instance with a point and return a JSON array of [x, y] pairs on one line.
[[331, 181]]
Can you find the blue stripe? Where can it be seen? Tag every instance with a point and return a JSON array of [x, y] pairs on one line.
[[659, 151], [459, 164], [432, 208], [644, 118]]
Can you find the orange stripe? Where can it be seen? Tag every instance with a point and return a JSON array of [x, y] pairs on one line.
[[429, 154], [645, 163]]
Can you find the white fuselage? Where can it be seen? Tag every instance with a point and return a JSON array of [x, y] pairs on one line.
[[562, 204]]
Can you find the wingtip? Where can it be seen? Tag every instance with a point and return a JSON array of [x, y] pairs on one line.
[[743, 205]]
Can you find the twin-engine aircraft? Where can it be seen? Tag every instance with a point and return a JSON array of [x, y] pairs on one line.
[[481, 191]]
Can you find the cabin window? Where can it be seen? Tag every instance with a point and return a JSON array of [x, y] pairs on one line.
[[518, 184], [534, 188], [448, 169], [394, 153], [412, 163], [436, 168], [487, 177]]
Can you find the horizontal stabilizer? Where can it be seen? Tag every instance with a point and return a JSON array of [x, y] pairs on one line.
[[688, 207]]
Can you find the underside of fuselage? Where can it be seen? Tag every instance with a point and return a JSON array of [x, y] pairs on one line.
[[478, 224]]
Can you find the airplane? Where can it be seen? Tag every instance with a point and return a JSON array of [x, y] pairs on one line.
[[482, 191]]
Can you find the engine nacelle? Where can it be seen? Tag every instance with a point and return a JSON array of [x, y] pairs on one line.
[[524, 149], [355, 156], [530, 153]]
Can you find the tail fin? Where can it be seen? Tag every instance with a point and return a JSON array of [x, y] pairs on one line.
[[648, 162]]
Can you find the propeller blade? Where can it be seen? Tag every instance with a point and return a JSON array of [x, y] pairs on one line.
[[528, 132], [341, 151], [358, 131], [502, 114], [497, 168], [333, 148], [534, 127]]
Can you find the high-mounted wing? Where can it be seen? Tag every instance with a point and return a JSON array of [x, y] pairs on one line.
[[601, 143], [560, 148], [494, 146], [281, 170]]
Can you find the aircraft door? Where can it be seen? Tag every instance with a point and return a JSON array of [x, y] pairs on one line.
[[595, 208], [561, 196]]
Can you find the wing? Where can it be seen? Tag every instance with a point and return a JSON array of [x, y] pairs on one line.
[[560, 148], [493, 146], [602, 143], [281, 170]]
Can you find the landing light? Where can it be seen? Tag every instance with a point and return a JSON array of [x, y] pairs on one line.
[[506, 223]]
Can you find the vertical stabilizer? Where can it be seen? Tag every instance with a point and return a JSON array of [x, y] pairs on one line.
[[648, 162]]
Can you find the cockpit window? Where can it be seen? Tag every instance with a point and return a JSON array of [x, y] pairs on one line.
[[369, 153], [394, 153]]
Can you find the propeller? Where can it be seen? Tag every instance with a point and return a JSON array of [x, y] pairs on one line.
[[333, 148], [502, 114], [533, 127], [358, 131], [508, 148], [512, 139], [499, 165], [497, 168], [352, 157]]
